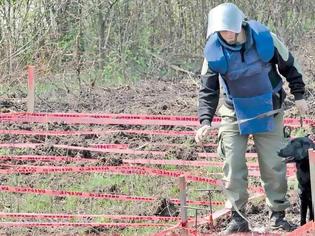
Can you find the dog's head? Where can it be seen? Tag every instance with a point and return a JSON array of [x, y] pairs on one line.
[[296, 150]]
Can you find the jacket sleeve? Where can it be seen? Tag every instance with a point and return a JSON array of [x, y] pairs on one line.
[[209, 94], [289, 68]]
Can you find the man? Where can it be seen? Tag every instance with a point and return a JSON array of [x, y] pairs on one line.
[[245, 59]]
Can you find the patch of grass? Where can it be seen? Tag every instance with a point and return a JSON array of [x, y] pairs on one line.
[[174, 191], [12, 88], [43, 87], [96, 181], [35, 203], [169, 167], [140, 231], [4, 151], [14, 151], [195, 194], [71, 204], [214, 169], [299, 132]]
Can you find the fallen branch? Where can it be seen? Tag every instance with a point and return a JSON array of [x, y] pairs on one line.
[[174, 67]]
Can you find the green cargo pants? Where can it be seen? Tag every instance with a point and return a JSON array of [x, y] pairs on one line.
[[232, 147]]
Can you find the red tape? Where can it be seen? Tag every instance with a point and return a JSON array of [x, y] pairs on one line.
[[110, 146], [47, 158], [74, 225], [126, 170], [153, 144], [25, 169], [100, 132], [16, 169], [85, 216], [107, 150], [112, 119], [124, 119], [63, 193], [307, 229], [251, 166]]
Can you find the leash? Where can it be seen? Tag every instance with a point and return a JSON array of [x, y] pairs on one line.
[[233, 202], [301, 121], [260, 116], [251, 228]]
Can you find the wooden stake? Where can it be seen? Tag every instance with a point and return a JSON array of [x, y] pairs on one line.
[[31, 89], [183, 200], [311, 154]]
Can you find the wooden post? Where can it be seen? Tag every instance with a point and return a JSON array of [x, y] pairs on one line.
[[311, 155], [183, 200], [31, 89]]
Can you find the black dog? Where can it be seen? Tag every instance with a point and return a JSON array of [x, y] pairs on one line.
[[297, 151]]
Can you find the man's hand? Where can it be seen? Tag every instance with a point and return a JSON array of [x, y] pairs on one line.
[[302, 106], [202, 133]]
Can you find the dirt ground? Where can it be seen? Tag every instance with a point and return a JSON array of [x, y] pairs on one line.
[[162, 96], [141, 98]]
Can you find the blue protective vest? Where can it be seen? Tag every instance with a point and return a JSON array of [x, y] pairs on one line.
[[244, 71]]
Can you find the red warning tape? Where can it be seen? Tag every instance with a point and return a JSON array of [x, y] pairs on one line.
[[253, 171], [307, 229], [127, 170], [96, 116], [85, 216], [153, 144], [100, 132], [107, 150], [125, 119], [70, 224], [34, 145], [63, 193], [24, 169], [139, 152], [110, 146], [47, 158], [251, 166]]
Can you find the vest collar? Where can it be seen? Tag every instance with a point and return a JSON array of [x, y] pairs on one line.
[[249, 36]]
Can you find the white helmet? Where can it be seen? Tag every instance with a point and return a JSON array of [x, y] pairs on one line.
[[225, 16]]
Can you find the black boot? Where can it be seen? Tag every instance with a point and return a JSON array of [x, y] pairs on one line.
[[277, 221], [237, 224]]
